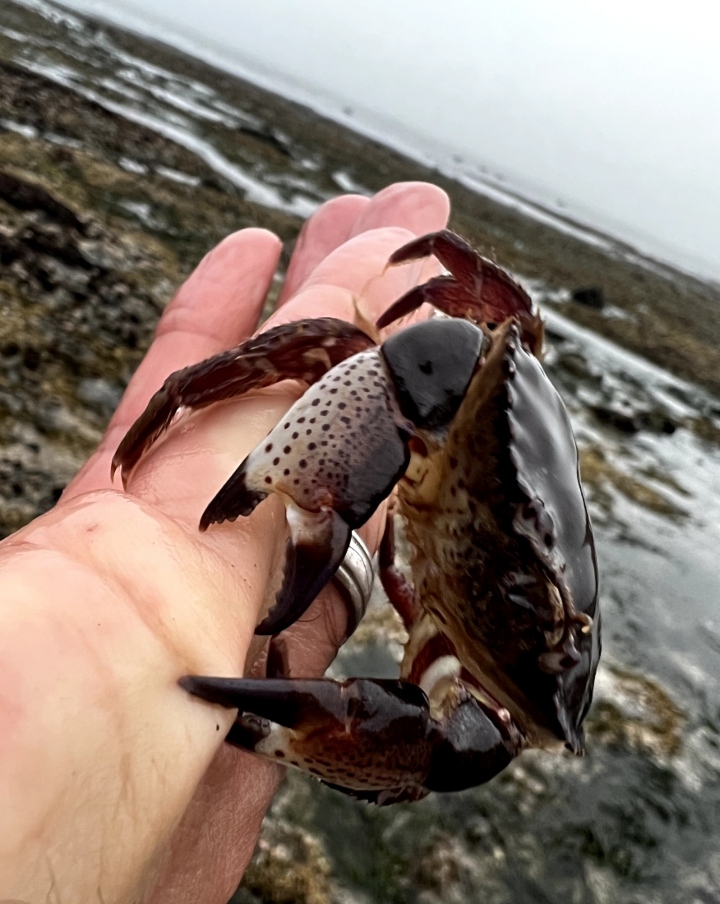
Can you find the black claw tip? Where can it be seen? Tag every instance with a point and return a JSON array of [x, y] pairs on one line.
[[233, 500], [222, 691], [187, 683], [308, 568]]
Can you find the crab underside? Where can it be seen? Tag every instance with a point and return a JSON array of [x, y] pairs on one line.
[[504, 634]]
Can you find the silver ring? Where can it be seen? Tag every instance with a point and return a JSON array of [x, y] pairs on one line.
[[356, 576]]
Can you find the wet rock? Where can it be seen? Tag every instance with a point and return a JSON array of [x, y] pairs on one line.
[[447, 872], [270, 137], [598, 473], [48, 240], [162, 293], [101, 394], [289, 867], [101, 254], [632, 421], [630, 415], [78, 313], [10, 403], [575, 364], [73, 279], [636, 712], [58, 300], [33, 473], [25, 195], [590, 296], [708, 428], [53, 417], [621, 415]]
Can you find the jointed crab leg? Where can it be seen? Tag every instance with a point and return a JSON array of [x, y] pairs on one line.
[[379, 740], [303, 350], [477, 289], [398, 589]]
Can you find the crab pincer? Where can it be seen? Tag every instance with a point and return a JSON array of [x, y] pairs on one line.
[[382, 741]]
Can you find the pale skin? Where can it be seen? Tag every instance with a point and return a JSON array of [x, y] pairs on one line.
[[115, 784]]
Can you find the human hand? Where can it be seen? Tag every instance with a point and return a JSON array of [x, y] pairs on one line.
[[113, 777]]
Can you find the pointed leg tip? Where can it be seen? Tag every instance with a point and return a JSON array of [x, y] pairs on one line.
[[444, 240], [314, 551], [422, 246], [120, 463], [202, 685], [278, 659], [407, 253], [267, 628]]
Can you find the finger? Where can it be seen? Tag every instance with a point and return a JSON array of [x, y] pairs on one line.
[[218, 832], [355, 273], [217, 306], [417, 206], [330, 226]]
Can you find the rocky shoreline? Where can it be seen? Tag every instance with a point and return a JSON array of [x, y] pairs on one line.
[[102, 215]]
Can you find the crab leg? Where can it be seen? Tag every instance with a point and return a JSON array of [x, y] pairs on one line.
[[477, 289], [379, 740], [399, 590], [304, 350]]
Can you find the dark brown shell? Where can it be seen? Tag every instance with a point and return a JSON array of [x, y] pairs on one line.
[[555, 520], [504, 554]]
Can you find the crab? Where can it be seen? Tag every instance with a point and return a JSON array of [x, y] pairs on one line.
[[457, 416]]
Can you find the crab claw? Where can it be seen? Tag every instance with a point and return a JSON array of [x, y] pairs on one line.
[[317, 545], [477, 289], [332, 459], [378, 740]]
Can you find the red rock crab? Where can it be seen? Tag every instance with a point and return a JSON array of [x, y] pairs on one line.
[[457, 413]]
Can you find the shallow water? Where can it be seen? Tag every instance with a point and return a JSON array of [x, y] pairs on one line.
[[182, 109], [601, 112], [637, 819]]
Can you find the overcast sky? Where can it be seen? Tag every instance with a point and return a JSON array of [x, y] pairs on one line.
[[610, 106]]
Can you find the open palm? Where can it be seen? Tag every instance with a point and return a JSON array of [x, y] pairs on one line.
[[116, 782]]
